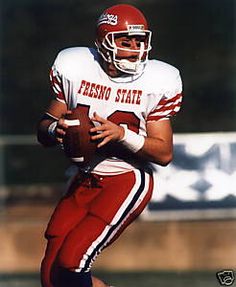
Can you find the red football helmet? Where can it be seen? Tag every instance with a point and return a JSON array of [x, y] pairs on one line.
[[120, 20]]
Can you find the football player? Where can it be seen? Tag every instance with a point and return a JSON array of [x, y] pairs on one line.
[[131, 99]]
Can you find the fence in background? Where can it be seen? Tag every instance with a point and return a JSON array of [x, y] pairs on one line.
[[200, 183]]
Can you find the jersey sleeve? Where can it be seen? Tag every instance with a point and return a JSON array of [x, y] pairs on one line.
[[57, 84], [169, 103]]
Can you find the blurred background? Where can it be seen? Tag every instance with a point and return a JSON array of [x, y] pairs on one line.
[[189, 226]]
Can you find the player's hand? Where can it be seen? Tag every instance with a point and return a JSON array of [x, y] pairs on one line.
[[61, 128], [107, 131]]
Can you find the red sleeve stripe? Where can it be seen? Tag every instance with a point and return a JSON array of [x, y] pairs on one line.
[[168, 102], [167, 105], [166, 108], [56, 85], [56, 88]]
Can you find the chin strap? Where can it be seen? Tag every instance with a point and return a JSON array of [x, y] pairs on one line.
[[127, 66]]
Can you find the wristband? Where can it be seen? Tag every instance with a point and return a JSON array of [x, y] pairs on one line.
[[132, 141], [52, 129]]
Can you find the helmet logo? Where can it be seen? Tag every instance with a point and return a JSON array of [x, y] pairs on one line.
[[109, 19]]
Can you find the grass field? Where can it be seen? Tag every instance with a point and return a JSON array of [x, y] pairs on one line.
[[134, 279]]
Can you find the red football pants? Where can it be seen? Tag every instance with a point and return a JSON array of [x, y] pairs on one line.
[[91, 216]]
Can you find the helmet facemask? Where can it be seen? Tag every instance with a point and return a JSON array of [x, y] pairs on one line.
[[110, 51]]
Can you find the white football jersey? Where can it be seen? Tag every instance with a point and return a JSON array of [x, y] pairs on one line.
[[78, 80]]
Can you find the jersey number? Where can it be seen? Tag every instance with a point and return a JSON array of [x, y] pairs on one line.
[[118, 117]]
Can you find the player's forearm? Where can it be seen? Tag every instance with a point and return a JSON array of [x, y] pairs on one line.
[[43, 133], [157, 151]]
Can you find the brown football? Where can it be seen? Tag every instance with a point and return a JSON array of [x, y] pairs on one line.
[[77, 142]]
